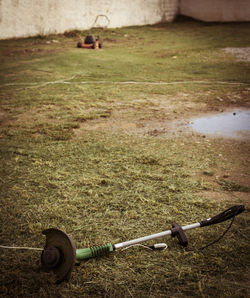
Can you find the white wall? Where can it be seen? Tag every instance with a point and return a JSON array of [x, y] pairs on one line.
[[216, 10], [22, 18]]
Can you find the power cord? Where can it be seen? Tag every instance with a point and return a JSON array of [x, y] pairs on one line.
[[157, 246], [21, 247], [218, 239]]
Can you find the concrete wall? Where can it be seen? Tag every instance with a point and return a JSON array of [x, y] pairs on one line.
[[216, 10], [22, 18]]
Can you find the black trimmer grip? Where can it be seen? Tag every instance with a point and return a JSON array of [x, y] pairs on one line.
[[178, 231], [223, 216]]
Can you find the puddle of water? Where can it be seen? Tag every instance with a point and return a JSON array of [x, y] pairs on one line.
[[234, 124]]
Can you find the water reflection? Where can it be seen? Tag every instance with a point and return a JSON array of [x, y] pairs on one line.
[[234, 124]]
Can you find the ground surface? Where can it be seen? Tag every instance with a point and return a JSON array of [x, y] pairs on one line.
[[97, 143]]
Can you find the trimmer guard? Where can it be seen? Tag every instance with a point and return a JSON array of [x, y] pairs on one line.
[[59, 254]]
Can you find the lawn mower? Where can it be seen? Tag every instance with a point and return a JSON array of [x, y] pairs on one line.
[[60, 254], [90, 42]]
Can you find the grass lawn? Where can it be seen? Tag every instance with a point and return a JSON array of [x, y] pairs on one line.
[[91, 143]]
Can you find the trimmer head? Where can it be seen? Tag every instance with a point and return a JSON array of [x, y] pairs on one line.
[[59, 254]]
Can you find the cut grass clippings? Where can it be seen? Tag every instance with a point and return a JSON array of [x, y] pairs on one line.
[[101, 189], [59, 169]]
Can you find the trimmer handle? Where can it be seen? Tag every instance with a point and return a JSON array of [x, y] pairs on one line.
[[223, 216], [178, 231]]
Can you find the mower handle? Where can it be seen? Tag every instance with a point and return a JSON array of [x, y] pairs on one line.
[[223, 216]]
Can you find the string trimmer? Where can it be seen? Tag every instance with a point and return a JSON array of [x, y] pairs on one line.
[[60, 253]]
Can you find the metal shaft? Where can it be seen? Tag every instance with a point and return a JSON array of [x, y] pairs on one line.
[[153, 236]]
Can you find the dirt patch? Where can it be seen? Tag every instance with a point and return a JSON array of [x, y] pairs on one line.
[[242, 54], [30, 117], [3, 117], [234, 197], [160, 116], [30, 51]]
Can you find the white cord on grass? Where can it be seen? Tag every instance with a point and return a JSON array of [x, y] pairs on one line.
[[122, 83], [148, 247], [21, 247], [162, 83], [144, 246]]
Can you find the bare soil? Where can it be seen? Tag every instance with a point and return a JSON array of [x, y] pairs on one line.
[[242, 54], [165, 117]]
